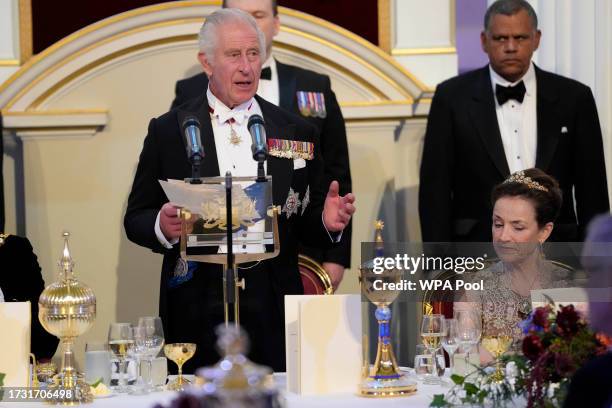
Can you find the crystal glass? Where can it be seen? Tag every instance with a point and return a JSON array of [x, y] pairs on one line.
[[432, 330], [153, 342], [423, 366], [138, 352], [121, 342], [450, 341], [469, 326], [179, 353], [97, 363]]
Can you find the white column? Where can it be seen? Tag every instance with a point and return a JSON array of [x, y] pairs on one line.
[[9, 38], [422, 38], [577, 43]]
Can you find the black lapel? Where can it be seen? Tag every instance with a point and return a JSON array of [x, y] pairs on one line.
[[549, 123], [280, 169], [199, 108], [482, 111], [287, 87], [2, 216]]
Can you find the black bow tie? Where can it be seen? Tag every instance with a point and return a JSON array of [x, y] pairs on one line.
[[505, 93], [266, 73]]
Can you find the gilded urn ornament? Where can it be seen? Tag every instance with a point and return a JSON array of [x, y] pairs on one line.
[[67, 309], [383, 378]]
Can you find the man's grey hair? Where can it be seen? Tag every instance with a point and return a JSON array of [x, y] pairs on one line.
[[208, 37], [509, 8]]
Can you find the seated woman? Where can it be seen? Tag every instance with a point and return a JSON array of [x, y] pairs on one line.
[[525, 207]]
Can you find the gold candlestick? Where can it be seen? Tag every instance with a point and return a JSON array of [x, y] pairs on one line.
[[384, 378], [67, 309]]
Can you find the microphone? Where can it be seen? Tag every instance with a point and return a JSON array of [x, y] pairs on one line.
[[259, 146], [193, 145], [193, 141]]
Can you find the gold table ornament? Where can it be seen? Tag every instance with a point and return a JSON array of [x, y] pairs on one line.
[[67, 309], [384, 378]]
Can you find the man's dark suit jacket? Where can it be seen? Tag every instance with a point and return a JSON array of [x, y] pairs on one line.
[[591, 386], [191, 310], [21, 281], [332, 133], [463, 157]]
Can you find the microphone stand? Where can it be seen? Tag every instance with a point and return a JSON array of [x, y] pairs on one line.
[[231, 280], [230, 289], [195, 160], [261, 173]]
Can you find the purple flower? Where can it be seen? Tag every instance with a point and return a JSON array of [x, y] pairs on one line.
[[526, 325]]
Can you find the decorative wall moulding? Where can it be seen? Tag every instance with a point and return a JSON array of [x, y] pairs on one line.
[[56, 123]]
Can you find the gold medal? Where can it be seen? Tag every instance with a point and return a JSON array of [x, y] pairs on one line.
[[234, 139]]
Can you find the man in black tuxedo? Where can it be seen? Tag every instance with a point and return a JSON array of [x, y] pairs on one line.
[[306, 93], [508, 116], [191, 302]]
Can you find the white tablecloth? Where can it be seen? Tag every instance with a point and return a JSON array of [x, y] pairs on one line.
[[422, 398]]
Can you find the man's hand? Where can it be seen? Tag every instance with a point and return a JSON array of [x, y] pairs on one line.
[[337, 211], [335, 271], [169, 221]]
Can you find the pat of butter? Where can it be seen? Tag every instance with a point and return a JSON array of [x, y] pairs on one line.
[[100, 390]]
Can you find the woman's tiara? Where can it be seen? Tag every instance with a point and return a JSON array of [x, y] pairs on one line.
[[519, 177]]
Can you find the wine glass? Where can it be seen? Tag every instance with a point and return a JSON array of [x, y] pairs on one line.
[[497, 344], [450, 342], [153, 342], [432, 330], [139, 351], [469, 327], [179, 353], [121, 342]]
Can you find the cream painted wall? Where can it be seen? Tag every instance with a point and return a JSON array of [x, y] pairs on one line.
[[78, 180]]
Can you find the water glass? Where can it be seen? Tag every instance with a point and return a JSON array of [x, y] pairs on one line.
[[155, 372], [97, 363]]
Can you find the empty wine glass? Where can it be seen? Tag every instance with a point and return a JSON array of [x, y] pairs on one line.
[[432, 330], [179, 353], [139, 351], [450, 341], [153, 342], [469, 327], [121, 342]]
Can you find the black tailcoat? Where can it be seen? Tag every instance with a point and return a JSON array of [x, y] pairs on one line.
[[191, 310]]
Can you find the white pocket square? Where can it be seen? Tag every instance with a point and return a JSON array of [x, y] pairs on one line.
[[563, 129], [299, 164]]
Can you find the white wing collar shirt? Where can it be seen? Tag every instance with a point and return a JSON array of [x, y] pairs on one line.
[[233, 146], [232, 137], [518, 122], [269, 89]]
